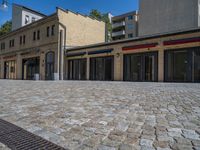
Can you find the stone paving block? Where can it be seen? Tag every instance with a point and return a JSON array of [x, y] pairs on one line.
[[181, 147], [126, 147], [191, 134], [4, 147], [111, 143], [146, 142], [177, 130], [196, 148], [103, 147], [159, 148], [183, 141], [174, 134], [196, 143], [161, 144], [105, 115], [147, 148]]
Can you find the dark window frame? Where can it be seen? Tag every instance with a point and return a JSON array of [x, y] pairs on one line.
[[34, 35], [100, 62], [189, 67], [48, 31], [130, 35], [3, 45], [24, 39], [20, 41], [33, 19], [53, 30], [77, 66], [38, 34], [27, 17], [130, 17], [12, 43], [142, 56]]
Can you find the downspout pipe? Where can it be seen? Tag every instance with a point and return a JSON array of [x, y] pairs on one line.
[[62, 49]]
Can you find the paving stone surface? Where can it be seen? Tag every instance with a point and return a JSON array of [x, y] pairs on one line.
[[3, 147], [81, 115]]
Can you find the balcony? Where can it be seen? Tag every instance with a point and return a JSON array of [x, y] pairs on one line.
[[119, 24], [119, 33]]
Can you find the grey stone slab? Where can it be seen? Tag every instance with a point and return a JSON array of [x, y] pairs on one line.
[[104, 115]]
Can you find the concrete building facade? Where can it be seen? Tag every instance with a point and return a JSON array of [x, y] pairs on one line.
[[36, 51], [125, 26], [22, 16], [162, 16]]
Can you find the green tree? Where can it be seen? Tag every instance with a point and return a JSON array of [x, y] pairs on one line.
[[5, 28], [96, 14], [103, 17]]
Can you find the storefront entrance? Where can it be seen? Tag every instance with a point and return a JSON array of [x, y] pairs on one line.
[[10, 69], [49, 71], [141, 67], [30, 67], [102, 68], [182, 65], [77, 69]]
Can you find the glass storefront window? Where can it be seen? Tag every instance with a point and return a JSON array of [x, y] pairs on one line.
[[77, 69], [182, 65], [196, 69], [102, 68], [141, 67]]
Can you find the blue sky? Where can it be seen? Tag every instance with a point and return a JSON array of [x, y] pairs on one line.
[[116, 7]]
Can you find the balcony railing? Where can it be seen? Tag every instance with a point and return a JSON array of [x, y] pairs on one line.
[[119, 33], [119, 24]]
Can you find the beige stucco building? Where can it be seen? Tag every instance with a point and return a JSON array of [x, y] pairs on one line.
[[171, 57], [36, 51], [70, 46]]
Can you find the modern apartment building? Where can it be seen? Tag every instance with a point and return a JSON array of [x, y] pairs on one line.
[[125, 26], [36, 51], [162, 16], [22, 16]]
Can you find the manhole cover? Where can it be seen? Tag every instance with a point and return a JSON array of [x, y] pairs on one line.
[[17, 138]]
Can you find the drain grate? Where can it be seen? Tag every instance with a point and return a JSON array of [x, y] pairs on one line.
[[17, 138]]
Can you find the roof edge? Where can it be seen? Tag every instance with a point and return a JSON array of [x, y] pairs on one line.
[[134, 39], [77, 13], [29, 9], [26, 26]]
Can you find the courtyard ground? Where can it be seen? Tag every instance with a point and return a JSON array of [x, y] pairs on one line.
[[105, 115]]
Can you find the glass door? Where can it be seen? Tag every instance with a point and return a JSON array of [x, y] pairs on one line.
[[180, 66], [49, 66], [196, 66], [102, 68], [133, 68], [177, 66], [141, 67], [77, 69], [150, 71]]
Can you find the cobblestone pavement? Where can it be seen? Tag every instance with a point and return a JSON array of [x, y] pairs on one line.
[[3, 147], [106, 115]]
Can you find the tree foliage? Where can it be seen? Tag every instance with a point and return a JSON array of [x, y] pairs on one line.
[[5, 28], [96, 14], [104, 17]]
